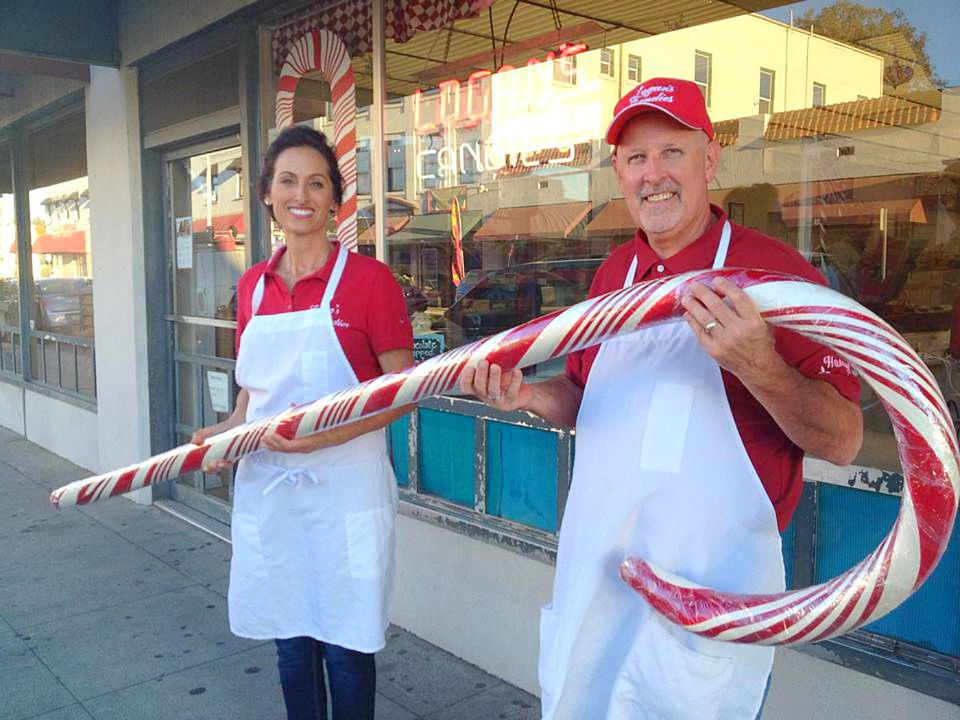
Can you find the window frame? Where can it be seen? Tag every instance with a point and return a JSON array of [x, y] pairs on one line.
[[813, 94], [706, 86], [773, 91], [607, 60]]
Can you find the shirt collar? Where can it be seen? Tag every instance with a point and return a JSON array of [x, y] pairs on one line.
[[321, 273], [696, 256]]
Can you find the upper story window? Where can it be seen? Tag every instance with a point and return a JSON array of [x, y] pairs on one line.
[[819, 95], [633, 68], [396, 164], [703, 69], [606, 62], [767, 78], [364, 178]]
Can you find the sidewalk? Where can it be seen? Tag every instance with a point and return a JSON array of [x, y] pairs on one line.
[[116, 611]]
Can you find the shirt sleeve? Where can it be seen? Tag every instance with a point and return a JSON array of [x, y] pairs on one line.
[[387, 319], [812, 359], [244, 298]]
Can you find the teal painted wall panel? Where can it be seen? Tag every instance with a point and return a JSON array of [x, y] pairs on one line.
[[786, 538], [397, 433], [446, 456], [522, 475], [851, 523]]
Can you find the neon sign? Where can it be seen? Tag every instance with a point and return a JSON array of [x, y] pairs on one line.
[[447, 162], [465, 105]]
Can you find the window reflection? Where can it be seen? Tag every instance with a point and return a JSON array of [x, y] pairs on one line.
[[839, 136]]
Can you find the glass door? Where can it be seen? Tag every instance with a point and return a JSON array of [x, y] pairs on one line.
[[207, 243]]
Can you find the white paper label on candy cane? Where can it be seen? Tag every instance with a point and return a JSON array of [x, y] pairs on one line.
[[665, 433]]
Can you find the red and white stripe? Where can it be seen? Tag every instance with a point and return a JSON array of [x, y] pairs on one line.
[[322, 50], [884, 579]]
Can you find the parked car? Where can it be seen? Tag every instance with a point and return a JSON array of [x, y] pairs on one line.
[[64, 305], [503, 298], [9, 302]]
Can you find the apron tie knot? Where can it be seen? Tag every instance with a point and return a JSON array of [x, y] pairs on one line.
[[292, 477]]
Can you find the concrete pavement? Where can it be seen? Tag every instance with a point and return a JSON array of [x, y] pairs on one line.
[[117, 611]]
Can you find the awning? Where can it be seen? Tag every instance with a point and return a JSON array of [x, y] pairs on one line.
[[71, 242], [541, 160], [858, 213], [612, 221], [394, 223], [221, 224], [534, 221], [434, 228]]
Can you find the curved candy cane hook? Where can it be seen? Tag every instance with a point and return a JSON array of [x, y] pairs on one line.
[[324, 51]]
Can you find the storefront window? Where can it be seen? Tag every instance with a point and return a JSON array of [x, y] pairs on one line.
[[839, 127], [210, 237], [61, 314], [9, 290]]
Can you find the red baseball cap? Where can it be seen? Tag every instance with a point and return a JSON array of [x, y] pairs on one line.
[[680, 99]]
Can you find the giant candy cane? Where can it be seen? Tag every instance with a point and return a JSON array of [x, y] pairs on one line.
[[874, 587], [322, 50]]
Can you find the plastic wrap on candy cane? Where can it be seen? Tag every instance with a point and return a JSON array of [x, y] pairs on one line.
[[878, 584]]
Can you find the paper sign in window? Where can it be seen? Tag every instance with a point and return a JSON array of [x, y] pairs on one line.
[[219, 384]]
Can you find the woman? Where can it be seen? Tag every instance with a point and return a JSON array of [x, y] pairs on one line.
[[313, 517]]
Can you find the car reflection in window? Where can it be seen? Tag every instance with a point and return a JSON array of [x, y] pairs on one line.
[[501, 299]]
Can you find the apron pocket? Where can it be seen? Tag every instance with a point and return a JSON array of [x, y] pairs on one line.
[[665, 433], [662, 678], [548, 662], [370, 541], [314, 375], [247, 558]]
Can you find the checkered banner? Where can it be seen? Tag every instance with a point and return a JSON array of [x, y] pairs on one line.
[[352, 22]]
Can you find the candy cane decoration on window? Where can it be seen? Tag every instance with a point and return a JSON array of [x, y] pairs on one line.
[[324, 51], [925, 436]]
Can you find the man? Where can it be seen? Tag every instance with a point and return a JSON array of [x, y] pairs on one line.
[[690, 439]]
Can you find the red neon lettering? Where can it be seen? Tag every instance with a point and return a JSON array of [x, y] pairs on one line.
[[424, 126], [447, 106]]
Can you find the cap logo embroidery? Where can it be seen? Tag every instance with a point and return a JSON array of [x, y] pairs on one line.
[[664, 94]]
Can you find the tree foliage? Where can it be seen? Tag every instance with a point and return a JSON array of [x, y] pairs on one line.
[[852, 22]]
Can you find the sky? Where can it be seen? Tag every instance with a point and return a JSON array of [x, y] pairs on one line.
[[939, 19]]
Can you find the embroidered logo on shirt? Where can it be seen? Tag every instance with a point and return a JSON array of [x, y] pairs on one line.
[[335, 315], [832, 363]]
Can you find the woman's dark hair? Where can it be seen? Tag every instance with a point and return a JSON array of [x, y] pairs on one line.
[[299, 136]]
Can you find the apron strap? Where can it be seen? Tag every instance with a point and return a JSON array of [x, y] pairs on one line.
[[257, 296], [338, 266], [721, 256], [335, 276], [628, 281], [719, 259]]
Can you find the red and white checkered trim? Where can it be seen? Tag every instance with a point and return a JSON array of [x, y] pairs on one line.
[[352, 22]]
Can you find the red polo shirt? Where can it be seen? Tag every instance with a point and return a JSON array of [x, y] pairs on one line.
[[778, 462], [369, 313]]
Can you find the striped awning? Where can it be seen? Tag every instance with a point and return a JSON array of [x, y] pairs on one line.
[[543, 159], [845, 118], [613, 220], [857, 213], [534, 222]]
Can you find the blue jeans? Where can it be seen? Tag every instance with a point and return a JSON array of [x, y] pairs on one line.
[[352, 676]]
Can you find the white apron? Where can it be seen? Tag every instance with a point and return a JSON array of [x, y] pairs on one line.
[[660, 473], [313, 534]]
